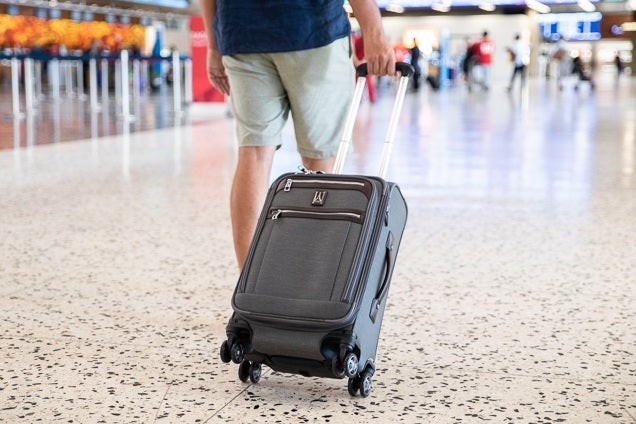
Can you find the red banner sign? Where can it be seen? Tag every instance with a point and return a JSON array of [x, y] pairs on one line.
[[202, 90]]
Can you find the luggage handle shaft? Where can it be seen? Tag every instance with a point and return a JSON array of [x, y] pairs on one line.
[[406, 71]]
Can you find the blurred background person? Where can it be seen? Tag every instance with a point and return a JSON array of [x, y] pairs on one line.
[[520, 57], [415, 63], [561, 56], [620, 66], [483, 50]]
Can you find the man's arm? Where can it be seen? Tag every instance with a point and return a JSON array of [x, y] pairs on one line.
[[378, 53], [215, 68]]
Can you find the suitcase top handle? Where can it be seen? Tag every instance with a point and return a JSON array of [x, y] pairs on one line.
[[405, 69]]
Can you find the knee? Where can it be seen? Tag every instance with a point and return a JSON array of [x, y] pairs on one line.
[[256, 156]]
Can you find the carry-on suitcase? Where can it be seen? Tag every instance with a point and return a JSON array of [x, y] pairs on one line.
[[311, 296]]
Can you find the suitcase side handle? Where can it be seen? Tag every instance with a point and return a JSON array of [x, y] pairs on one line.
[[383, 291], [406, 70]]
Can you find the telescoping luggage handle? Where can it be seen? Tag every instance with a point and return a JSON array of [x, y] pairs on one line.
[[405, 71]]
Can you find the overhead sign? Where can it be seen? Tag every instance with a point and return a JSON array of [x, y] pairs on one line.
[[570, 26]]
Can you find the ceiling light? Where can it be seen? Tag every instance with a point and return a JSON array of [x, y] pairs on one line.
[[395, 8], [537, 6], [442, 7], [488, 7], [586, 5]]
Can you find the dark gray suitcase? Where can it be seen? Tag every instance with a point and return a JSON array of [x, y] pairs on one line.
[[311, 297]]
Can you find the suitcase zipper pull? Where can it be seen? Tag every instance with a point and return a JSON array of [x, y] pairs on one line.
[[276, 213], [288, 184], [303, 170]]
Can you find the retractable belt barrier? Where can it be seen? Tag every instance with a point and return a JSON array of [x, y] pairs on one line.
[[67, 71]]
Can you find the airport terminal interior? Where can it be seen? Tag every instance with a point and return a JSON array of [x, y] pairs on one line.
[[512, 298]]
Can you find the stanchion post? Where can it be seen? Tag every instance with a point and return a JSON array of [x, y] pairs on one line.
[[92, 70], [136, 81], [55, 78], [146, 76], [125, 86], [38, 79], [118, 82], [176, 82], [104, 83], [79, 64], [68, 77], [125, 101], [17, 139], [188, 80], [28, 85], [15, 87]]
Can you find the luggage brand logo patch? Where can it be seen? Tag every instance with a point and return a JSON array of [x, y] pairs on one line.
[[319, 198]]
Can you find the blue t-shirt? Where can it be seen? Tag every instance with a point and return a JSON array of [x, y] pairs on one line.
[[271, 26]]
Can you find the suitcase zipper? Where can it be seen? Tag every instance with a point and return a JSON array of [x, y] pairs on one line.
[[297, 213], [348, 292], [343, 184]]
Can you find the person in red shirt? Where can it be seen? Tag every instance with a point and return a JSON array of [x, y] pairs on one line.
[[484, 49]]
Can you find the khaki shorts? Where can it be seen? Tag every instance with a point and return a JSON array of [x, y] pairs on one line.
[[315, 85]]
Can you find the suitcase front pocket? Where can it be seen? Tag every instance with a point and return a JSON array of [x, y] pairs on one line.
[[305, 254], [288, 183], [353, 216]]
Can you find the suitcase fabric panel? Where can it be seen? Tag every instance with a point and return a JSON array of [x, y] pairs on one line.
[[311, 284], [316, 252]]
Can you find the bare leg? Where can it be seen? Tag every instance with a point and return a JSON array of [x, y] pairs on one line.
[[249, 189], [324, 165]]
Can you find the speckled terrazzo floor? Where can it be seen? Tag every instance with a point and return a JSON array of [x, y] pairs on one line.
[[513, 298]]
